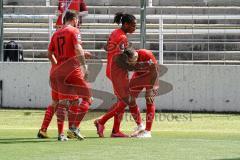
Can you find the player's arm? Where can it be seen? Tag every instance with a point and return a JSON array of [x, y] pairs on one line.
[[79, 52], [52, 58], [83, 9], [81, 58], [51, 49]]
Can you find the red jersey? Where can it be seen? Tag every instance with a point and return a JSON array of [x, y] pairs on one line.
[[75, 5], [116, 43], [67, 80], [120, 80], [145, 56], [63, 43], [147, 75]]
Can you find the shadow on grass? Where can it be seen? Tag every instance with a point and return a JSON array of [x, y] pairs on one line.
[[37, 140], [25, 140]]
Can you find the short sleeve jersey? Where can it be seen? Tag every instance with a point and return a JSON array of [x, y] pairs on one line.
[[63, 43], [76, 5], [146, 55], [116, 43]]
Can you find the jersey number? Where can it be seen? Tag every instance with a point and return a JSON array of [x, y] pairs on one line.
[[61, 42]]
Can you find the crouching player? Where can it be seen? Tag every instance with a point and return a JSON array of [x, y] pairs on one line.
[[145, 76], [67, 77]]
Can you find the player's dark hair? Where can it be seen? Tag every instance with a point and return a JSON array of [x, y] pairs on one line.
[[129, 52], [123, 18], [69, 16]]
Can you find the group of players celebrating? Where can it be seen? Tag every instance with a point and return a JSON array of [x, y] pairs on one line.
[[68, 80]]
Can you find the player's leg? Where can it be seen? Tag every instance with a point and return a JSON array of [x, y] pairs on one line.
[[46, 121], [116, 133], [72, 116], [133, 107], [116, 109], [72, 113], [122, 92], [61, 114], [48, 116], [135, 111], [99, 123], [149, 115], [82, 109], [42, 133], [78, 111]]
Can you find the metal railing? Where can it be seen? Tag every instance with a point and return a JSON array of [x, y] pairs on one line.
[[162, 30], [194, 31], [1, 31]]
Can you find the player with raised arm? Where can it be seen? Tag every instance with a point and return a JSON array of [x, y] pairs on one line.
[[67, 77], [78, 6], [117, 41]]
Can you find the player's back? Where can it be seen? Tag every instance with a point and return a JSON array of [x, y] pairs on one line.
[[63, 43], [146, 55]]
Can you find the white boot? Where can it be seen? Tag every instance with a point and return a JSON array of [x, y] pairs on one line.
[[144, 134]]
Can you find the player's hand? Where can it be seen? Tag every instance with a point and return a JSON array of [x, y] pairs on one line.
[[87, 55], [155, 91], [86, 74]]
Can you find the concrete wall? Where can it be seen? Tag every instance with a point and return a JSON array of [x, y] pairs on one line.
[[182, 87]]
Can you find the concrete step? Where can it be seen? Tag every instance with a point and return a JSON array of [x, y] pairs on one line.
[[34, 10], [86, 44], [131, 3], [165, 2], [37, 53], [151, 19], [220, 34], [25, 2], [97, 53], [169, 46], [38, 10], [106, 26]]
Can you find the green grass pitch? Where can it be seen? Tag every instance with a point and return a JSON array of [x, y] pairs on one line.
[[176, 136]]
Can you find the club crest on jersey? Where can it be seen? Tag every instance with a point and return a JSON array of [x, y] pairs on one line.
[[79, 37], [122, 46]]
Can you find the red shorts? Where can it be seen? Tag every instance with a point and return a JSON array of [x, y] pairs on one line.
[[120, 83], [71, 86], [140, 81]]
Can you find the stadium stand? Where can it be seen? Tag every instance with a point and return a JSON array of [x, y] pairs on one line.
[[193, 31]]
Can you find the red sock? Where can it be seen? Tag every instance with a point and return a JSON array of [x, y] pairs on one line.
[[47, 118], [117, 107], [150, 116], [136, 114], [61, 112], [81, 112], [72, 116], [117, 120], [110, 113]]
